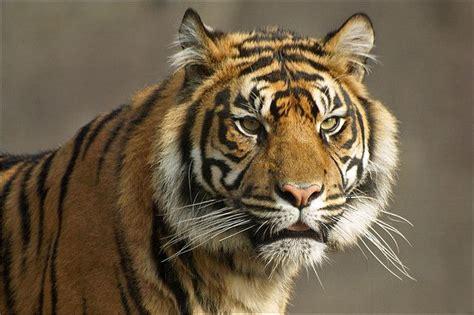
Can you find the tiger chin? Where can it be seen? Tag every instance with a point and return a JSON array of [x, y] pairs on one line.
[[209, 191]]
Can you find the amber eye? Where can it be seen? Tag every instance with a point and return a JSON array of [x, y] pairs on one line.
[[331, 125], [249, 125]]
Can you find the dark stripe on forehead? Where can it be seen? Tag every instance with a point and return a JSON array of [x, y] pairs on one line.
[[259, 64], [310, 100], [300, 75], [285, 75], [314, 48], [312, 63], [297, 93], [268, 36], [273, 76]]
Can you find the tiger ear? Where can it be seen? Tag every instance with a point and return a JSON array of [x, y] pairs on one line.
[[197, 41], [353, 41]]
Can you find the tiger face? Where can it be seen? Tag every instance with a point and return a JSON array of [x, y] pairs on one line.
[[282, 154]]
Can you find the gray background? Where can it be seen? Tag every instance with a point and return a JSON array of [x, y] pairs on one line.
[[64, 63]]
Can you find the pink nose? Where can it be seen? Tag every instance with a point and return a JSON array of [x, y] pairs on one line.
[[300, 197]]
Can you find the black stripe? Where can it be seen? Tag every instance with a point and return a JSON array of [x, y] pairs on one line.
[[143, 111], [166, 271], [273, 76], [129, 272], [42, 192], [53, 278], [6, 262], [185, 148], [241, 102], [123, 297], [302, 47], [24, 212], [62, 197], [43, 279], [84, 305], [108, 144], [206, 165], [222, 98], [300, 75], [238, 180], [312, 63], [347, 98], [259, 64], [5, 246], [264, 35], [7, 161], [336, 102], [343, 180], [95, 132], [372, 121], [348, 144]]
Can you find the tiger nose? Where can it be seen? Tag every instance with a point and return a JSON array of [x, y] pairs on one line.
[[300, 197]]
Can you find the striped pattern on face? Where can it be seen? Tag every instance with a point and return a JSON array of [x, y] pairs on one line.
[[290, 86], [283, 82]]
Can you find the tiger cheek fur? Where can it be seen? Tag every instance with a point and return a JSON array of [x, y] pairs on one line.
[[209, 191]]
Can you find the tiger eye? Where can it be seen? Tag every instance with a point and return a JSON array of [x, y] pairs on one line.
[[329, 124], [250, 125]]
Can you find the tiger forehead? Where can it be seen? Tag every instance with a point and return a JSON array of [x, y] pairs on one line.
[[288, 97], [273, 41]]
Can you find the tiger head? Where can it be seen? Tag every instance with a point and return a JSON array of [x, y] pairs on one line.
[[275, 147]]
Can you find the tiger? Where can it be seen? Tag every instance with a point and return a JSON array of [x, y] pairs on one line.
[[259, 154]]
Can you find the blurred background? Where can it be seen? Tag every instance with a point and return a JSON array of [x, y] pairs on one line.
[[63, 63]]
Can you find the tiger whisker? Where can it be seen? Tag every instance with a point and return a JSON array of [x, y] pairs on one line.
[[397, 216], [214, 214], [391, 257], [317, 275], [200, 235], [232, 235], [205, 227], [258, 229], [184, 250], [378, 259], [350, 237]]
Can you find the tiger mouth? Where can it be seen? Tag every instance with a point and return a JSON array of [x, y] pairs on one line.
[[296, 231]]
